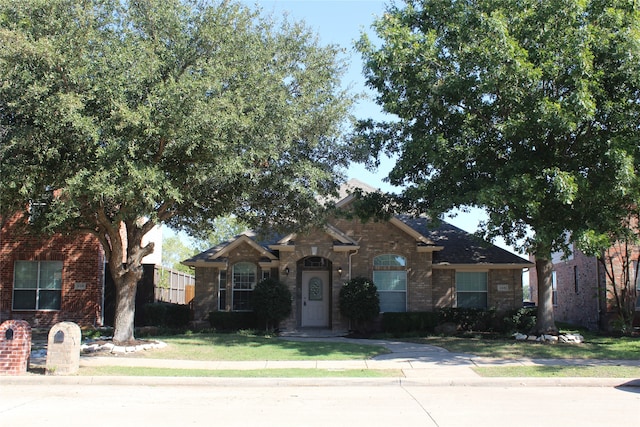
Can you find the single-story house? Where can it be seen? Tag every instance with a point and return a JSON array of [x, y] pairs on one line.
[[415, 264]]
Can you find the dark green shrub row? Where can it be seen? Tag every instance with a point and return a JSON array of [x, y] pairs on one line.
[[470, 319], [399, 323], [466, 320], [164, 314], [228, 321]]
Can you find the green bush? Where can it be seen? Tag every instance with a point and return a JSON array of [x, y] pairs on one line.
[[271, 302], [411, 322], [469, 319], [164, 314], [522, 320], [231, 321], [359, 301]]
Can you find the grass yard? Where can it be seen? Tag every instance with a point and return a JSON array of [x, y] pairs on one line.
[[594, 347], [560, 371], [240, 373], [247, 346]]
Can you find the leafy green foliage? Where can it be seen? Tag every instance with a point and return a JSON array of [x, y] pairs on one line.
[[168, 315], [134, 114], [271, 300], [527, 109], [359, 301]]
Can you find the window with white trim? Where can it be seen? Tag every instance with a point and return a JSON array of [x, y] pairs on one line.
[[637, 279], [37, 285], [390, 277], [554, 288], [222, 290], [244, 281], [471, 289]]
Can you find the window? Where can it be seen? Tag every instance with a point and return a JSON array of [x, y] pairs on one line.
[[390, 277], [222, 290], [244, 280], [637, 278], [554, 288], [471, 289], [37, 285]]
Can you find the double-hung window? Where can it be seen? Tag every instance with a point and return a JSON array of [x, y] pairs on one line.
[[471, 289], [222, 290], [390, 277], [37, 285], [244, 281]]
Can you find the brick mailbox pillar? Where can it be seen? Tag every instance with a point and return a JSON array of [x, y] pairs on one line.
[[15, 347], [63, 349]]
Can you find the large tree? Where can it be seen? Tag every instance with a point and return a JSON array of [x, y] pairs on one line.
[[128, 114], [529, 109]]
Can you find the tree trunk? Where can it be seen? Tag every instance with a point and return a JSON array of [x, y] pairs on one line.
[[545, 321], [126, 275], [126, 286]]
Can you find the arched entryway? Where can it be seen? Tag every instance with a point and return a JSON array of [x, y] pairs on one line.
[[314, 292]]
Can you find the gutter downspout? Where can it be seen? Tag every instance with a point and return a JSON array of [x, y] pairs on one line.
[[350, 262]]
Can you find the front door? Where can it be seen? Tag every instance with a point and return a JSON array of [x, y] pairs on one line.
[[315, 299]]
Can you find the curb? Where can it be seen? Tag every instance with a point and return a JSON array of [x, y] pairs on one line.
[[28, 380]]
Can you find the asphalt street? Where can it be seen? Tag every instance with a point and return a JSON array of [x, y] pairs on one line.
[[221, 402]]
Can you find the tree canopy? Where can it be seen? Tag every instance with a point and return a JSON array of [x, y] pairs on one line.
[[127, 114], [528, 109]]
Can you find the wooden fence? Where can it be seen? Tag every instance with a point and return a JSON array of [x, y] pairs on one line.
[[173, 286]]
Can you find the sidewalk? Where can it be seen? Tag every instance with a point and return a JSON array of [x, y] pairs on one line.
[[416, 363]]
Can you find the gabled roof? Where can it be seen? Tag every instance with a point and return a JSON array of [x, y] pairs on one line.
[[450, 245], [218, 253], [461, 247]]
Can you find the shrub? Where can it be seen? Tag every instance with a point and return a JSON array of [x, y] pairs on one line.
[[164, 314], [403, 323], [359, 301], [228, 321], [522, 320], [469, 319], [271, 301]]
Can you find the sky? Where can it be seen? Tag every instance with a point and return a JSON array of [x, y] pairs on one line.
[[341, 22]]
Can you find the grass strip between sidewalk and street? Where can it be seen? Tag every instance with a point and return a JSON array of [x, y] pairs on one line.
[[238, 373], [559, 371]]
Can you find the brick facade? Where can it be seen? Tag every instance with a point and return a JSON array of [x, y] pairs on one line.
[[583, 290], [348, 249], [82, 275]]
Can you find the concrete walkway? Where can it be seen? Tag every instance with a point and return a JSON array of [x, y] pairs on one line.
[[417, 363]]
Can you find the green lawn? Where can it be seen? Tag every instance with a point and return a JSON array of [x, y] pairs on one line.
[[239, 373], [560, 371], [245, 346], [594, 347]]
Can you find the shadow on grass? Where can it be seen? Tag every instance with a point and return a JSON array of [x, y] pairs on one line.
[[256, 347]]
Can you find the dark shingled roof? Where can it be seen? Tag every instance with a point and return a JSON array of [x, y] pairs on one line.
[[263, 240], [460, 247]]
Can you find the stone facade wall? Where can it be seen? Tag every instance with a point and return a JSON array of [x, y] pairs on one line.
[[63, 349], [82, 275]]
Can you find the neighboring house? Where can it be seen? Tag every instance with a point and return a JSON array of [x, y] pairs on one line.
[[581, 289], [52, 279], [416, 267], [45, 280]]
